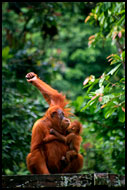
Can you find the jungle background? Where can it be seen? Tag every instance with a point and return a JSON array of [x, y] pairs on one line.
[[78, 49]]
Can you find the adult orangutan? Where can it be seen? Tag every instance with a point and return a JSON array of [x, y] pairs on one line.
[[45, 158]]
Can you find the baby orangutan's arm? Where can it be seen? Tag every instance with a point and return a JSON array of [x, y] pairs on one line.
[[54, 136], [50, 138]]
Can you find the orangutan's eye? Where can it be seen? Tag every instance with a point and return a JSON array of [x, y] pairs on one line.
[[53, 114]]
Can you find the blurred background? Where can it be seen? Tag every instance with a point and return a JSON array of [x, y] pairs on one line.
[[79, 49]]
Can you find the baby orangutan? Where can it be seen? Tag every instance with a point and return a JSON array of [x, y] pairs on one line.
[[72, 139]]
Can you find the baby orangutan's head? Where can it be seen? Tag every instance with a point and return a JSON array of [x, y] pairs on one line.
[[75, 127]]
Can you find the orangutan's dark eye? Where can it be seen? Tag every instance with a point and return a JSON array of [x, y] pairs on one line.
[[53, 114]]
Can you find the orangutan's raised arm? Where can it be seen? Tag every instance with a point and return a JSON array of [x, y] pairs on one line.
[[52, 96]]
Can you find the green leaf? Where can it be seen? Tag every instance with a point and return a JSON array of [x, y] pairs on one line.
[[123, 55], [92, 85], [102, 20], [109, 112], [121, 21], [102, 80], [31, 50], [116, 56], [107, 77], [107, 88], [88, 104], [121, 116], [122, 79], [121, 12], [5, 52], [24, 10], [113, 70], [114, 62]]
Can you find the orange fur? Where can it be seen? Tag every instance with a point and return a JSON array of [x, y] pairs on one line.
[[73, 139], [45, 158]]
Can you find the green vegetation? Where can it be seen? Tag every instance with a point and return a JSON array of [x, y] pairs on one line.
[[77, 48]]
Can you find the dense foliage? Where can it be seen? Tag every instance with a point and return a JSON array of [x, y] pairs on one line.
[[106, 94], [58, 42]]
